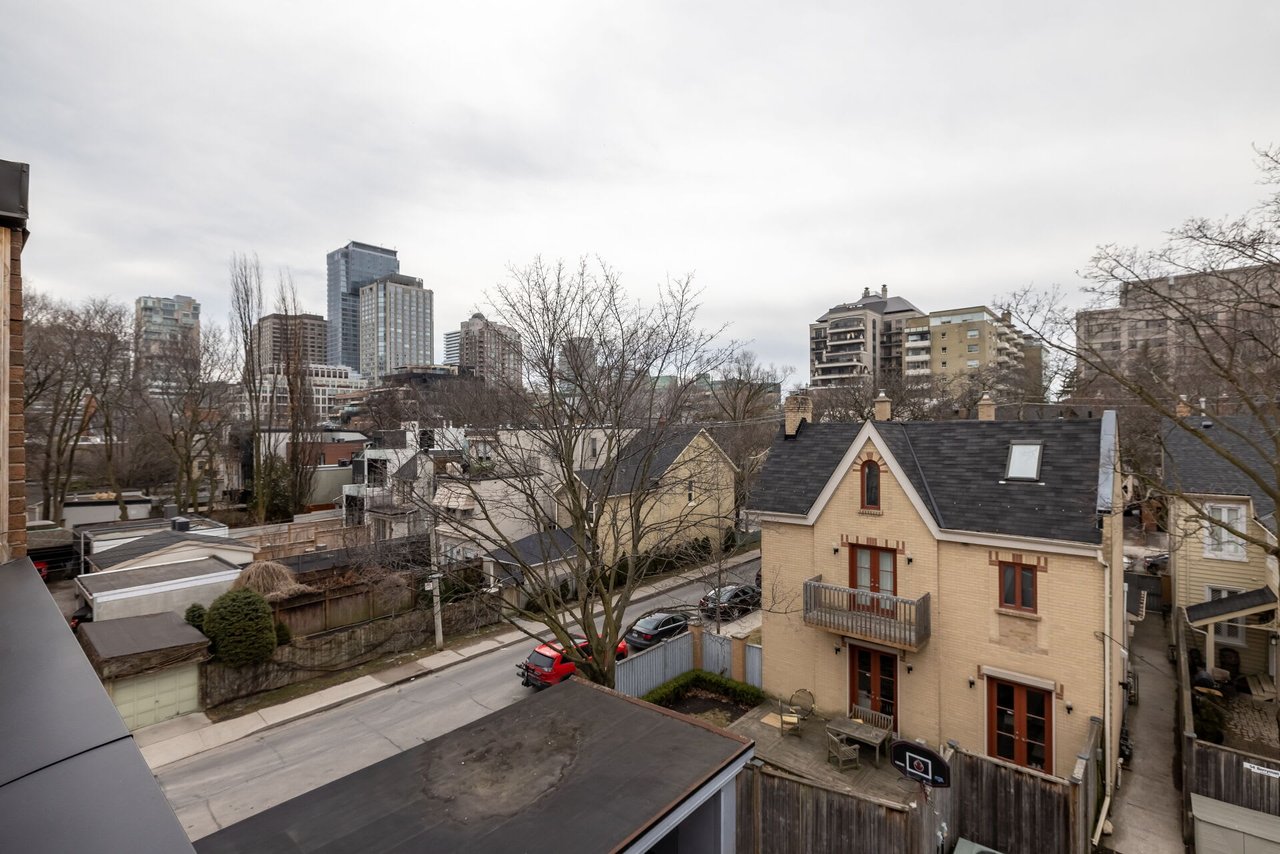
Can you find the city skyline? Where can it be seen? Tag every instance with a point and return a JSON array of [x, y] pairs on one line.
[[952, 156]]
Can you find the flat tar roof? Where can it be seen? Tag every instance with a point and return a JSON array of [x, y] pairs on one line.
[[123, 579], [574, 768], [133, 635]]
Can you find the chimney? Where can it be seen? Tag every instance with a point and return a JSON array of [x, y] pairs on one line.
[[986, 407], [882, 407], [798, 409], [1183, 409], [884, 291], [866, 292]]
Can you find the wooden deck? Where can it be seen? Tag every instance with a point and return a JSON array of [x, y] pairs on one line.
[[806, 756]]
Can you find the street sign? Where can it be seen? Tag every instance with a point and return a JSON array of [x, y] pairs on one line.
[[919, 763]]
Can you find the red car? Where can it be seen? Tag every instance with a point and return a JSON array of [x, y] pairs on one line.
[[548, 665]]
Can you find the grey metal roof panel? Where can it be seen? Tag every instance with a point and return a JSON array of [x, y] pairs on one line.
[[547, 774], [123, 579], [1191, 466], [48, 688], [103, 800], [1258, 598], [132, 635], [156, 542], [957, 468]]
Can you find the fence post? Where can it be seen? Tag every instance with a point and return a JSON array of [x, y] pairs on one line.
[[738, 658], [695, 632]]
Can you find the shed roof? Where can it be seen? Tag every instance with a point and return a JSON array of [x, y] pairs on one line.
[[124, 579], [1230, 604], [641, 462], [550, 773], [159, 541], [134, 635]]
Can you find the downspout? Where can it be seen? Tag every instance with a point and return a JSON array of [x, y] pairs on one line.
[[1107, 689]]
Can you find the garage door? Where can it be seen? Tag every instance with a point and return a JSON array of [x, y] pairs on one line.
[[1228, 829], [154, 697]]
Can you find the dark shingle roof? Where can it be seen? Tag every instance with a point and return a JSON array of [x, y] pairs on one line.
[[1191, 466], [538, 548], [957, 468], [154, 543], [1230, 604], [641, 462], [408, 471]]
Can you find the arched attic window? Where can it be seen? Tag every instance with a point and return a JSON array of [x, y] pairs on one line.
[[870, 485]]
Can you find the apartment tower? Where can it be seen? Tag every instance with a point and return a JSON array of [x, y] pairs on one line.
[[349, 269]]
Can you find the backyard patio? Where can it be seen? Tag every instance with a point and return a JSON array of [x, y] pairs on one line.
[[805, 755]]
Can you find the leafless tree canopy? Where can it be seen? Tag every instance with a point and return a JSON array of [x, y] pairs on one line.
[[1200, 322]]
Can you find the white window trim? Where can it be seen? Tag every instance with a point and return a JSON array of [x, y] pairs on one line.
[[1224, 553], [1237, 623]]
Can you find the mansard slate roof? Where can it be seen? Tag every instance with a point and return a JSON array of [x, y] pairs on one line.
[[957, 468], [1191, 466]]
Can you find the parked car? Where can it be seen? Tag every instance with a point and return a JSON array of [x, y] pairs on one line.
[[83, 614], [1156, 564], [548, 665], [730, 602], [656, 628]]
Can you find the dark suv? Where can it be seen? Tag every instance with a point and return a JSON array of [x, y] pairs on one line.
[[730, 602]]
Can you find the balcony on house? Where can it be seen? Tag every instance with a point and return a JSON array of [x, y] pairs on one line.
[[877, 617]]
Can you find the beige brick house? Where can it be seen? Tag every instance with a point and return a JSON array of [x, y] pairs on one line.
[[1219, 571], [963, 578]]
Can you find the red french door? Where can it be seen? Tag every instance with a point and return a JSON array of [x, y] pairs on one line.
[[1019, 724], [873, 680], [872, 573]]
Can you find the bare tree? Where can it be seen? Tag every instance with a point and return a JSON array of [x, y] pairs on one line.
[[1197, 318], [246, 310], [302, 453], [601, 475], [107, 348]]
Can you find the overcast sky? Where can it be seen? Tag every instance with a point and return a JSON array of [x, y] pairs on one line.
[[787, 154]]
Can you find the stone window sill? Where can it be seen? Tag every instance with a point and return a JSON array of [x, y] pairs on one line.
[[870, 511], [1021, 615]]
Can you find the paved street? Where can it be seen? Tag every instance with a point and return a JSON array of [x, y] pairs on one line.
[[227, 784]]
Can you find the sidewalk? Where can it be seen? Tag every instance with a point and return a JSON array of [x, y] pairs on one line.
[[1146, 812], [172, 740]]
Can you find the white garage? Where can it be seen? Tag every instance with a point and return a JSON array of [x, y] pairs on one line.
[[1223, 828], [150, 665], [154, 697]]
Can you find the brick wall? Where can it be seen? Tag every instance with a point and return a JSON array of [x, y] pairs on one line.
[[13, 543]]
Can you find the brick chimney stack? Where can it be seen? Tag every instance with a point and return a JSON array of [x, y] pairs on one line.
[[1183, 409], [882, 407], [986, 407], [798, 409]]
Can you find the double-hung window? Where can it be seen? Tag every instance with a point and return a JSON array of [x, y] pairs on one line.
[[1219, 541]]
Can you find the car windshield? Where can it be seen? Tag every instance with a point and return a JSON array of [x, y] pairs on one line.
[[648, 624], [721, 594], [537, 659]]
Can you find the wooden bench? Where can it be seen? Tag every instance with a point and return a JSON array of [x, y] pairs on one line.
[[871, 728]]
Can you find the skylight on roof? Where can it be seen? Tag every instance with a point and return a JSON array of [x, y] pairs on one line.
[[1024, 461]]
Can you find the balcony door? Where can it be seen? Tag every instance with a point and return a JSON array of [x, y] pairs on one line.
[[873, 681], [873, 574], [1019, 724]]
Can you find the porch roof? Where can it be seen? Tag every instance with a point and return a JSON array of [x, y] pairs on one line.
[[1236, 604]]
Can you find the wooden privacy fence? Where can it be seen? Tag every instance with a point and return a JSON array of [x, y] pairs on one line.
[[326, 610], [1020, 811], [779, 814]]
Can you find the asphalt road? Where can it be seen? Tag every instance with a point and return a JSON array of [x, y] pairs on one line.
[[227, 784]]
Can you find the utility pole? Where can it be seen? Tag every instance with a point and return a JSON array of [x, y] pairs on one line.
[[436, 588]]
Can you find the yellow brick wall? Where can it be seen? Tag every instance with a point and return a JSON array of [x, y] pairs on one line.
[[1062, 643]]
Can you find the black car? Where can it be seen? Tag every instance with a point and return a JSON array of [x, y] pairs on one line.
[[656, 628], [730, 602]]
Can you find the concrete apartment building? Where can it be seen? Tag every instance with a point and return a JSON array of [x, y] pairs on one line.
[[953, 580], [396, 328], [957, 341], [276, 336], [859, 340], [325, 386], [166, 323], [487, 350], [349, 269], [452, 344]]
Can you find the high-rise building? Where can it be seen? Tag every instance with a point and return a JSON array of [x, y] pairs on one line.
[[349, 269], [298, 338], [489, 350], [860, 340], [963, 340], [166, 324], [396, 327], [452, 345]]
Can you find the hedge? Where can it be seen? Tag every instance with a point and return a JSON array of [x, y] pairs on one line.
[[673, 691], [240, 625]]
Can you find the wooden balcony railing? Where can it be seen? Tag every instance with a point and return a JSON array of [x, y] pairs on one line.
[[877, 617]]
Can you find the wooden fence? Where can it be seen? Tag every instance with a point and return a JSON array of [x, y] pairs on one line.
[[326, 610], [782, 814], [1020, 811]]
